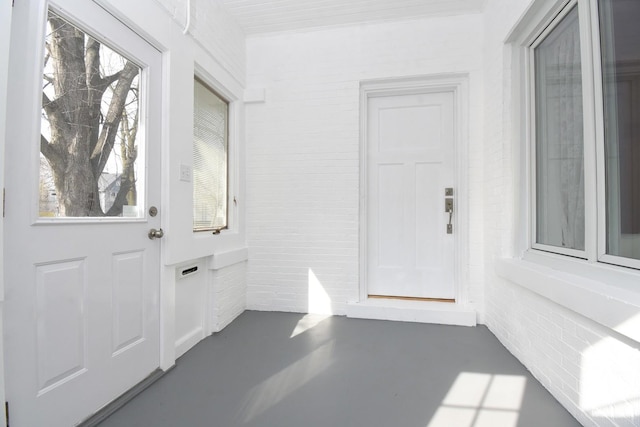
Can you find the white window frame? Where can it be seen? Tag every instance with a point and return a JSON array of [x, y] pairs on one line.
[[600, 147], [233, 105], [603, 288], [593, 113], [217, 230], [531, 142]]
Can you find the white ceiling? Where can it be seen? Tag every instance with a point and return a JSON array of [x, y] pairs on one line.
[[262, 16]]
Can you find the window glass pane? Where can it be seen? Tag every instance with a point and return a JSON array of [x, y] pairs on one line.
[[89, 127], [620, 47], [209, 159], [559, 150]]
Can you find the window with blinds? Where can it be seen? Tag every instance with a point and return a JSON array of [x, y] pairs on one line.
[[210, 155]]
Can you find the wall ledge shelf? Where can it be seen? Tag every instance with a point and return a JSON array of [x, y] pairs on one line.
[[592, 298], [222, 259]]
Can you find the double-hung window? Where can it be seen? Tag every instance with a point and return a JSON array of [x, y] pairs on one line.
[[584, 132]]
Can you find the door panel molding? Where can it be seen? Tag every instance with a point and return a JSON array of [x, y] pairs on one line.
[[458, 85], [61, 295], [65, 359]]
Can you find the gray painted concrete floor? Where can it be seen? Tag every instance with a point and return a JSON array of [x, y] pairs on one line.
[[291, 370]]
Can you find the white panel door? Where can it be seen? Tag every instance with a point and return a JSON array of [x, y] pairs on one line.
[[82, 275], [410, 163]]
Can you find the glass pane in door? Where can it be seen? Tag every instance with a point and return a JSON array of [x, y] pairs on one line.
[[90, 124]]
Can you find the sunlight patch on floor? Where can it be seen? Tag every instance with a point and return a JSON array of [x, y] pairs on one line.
[[308, 322], [481, 400], [285, 382]]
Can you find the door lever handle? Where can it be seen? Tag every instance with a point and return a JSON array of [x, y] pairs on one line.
[[448, 207]]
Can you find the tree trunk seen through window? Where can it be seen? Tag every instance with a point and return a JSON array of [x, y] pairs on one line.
[[89, 126]]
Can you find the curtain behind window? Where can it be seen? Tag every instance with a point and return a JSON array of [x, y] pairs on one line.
[[620, 47], [560, 209]]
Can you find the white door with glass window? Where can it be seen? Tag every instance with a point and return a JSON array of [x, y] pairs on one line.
[[410, 155], [83, 172]]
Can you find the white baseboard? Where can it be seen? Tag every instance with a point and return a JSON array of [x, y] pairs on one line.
[[185, 343]]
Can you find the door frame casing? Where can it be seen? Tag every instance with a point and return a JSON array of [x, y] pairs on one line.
[[458, 85], [5, 41]]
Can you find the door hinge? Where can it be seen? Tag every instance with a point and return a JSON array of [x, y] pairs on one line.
[[3, 195], [6, 412]]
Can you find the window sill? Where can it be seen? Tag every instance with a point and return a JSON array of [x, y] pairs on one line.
[[607, 295], [222, 259]]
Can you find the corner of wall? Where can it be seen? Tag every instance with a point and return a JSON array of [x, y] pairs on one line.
[[227, 294]]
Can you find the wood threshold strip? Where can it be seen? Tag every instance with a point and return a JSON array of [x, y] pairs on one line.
[[125, 398], [412, 298]]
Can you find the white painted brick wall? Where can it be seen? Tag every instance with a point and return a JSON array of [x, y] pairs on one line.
[[303, 149], [591, 370], [215, 29], [227, 294], [219, 35]]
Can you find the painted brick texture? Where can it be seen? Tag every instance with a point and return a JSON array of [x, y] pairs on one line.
[[221, 294], [591, 370], [303, 195], [303, 150], [215, 29], [228, 294]]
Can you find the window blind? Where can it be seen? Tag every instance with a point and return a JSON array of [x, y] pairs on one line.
[[210, 153]]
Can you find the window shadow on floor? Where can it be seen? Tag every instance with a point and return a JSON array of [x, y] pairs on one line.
[[344, 372]]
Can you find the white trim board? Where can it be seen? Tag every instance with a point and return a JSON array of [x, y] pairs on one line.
[[443, 313], [186, 343]]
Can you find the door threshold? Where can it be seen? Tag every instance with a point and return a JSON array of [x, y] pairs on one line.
[[123, 399], [396, 297], [412, 310]]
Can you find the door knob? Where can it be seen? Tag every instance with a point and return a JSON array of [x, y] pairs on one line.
[[155, 234]]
